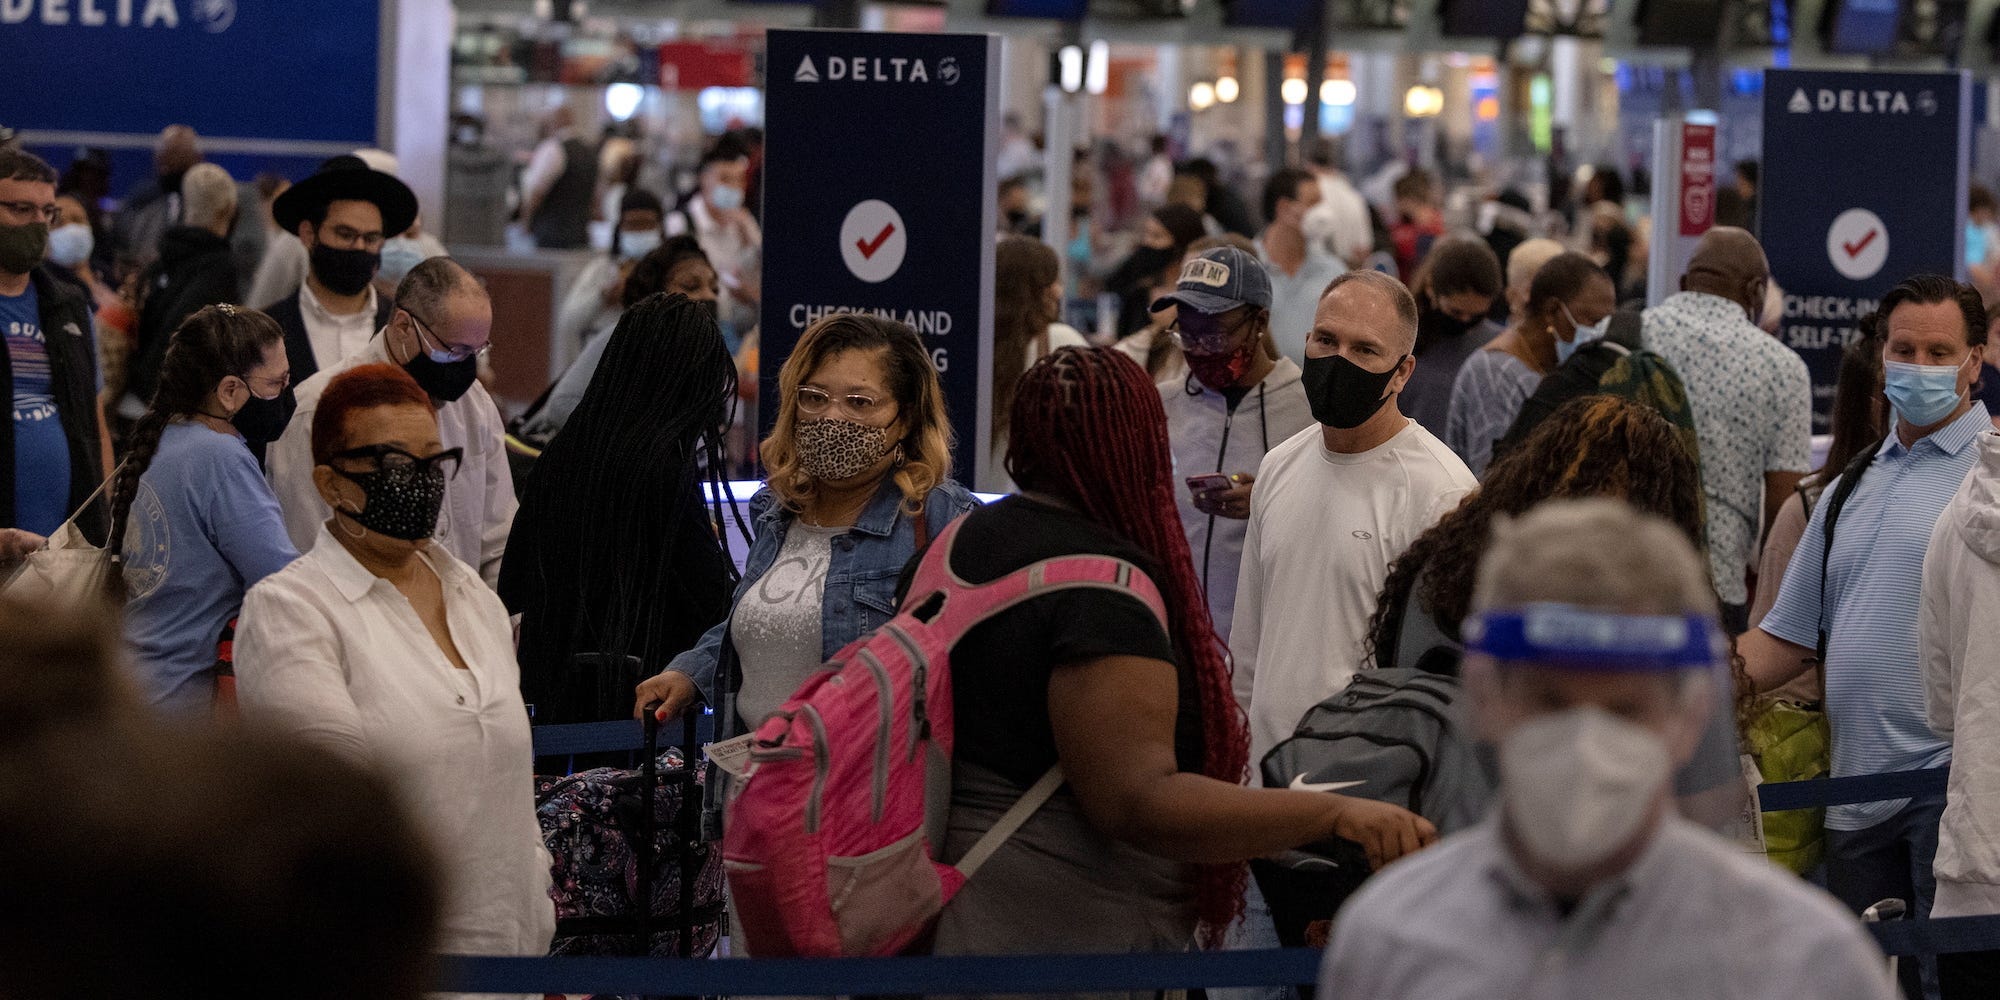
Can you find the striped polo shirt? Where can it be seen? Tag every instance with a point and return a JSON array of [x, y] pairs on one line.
[[1874, 586]]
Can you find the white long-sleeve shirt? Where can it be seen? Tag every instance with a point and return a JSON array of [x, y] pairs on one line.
[[479, 501], [339, 656], [1959, 627], [1324, 528]]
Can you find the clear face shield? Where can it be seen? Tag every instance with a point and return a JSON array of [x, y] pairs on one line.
[[1601, 721]]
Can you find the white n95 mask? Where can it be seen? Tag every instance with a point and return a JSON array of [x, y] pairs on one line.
[[1578, 784]]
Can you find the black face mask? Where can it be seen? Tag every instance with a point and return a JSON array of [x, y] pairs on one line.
[[344, 272], [444, 380], [402, 503], [261, 421], [1342, 394], [23, 248]]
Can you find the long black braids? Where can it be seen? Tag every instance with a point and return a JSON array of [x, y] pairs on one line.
[[613, 551], [210, 345]]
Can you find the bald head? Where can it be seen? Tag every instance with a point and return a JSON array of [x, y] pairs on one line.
[[177, 149], [1729, 263]]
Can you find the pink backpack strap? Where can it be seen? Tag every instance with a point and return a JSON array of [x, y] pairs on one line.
[[968, 604]]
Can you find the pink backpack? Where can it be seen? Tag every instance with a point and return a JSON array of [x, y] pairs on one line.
[[826, 845]]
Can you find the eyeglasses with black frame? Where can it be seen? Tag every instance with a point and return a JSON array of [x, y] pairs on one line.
[[389, 458]]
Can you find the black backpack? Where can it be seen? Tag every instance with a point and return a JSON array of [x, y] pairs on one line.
[[1400, 734]]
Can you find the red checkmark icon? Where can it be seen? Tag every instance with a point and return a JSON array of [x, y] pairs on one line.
[[868, 247], [1854, 249]]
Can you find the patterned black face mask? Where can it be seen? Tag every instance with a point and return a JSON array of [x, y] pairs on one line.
[[402, 502]]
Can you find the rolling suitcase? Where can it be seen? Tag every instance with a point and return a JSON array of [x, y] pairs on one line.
[[633, 875]]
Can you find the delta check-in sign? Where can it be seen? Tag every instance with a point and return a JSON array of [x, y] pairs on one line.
[[1863, 186], [878, 198]]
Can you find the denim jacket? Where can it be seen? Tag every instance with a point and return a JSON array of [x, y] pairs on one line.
[[861, 580]]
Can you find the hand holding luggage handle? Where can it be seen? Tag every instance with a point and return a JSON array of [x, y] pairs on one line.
[[688, 826]]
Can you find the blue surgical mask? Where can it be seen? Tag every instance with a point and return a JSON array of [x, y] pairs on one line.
[[71, 245], [725, 198], [1584, 335], [399, 255], [634, 245], [1922, 394]]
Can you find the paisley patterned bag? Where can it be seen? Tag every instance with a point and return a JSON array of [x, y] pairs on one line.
[[621, 838]]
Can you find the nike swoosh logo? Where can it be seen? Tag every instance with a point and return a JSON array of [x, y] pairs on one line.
[[1300, 784]]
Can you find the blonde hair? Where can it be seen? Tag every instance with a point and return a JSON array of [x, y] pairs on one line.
[[208, 195], [1527, 260], [926, 441], [1594, 553]]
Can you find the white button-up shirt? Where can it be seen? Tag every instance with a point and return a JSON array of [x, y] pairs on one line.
[[335, 337], [338, 654], [479, 502], [1695, 917]]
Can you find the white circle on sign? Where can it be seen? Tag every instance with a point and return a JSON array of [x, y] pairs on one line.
[[1858, 244], [873, 240]]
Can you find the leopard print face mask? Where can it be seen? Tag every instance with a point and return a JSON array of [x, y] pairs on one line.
[[834, 450]]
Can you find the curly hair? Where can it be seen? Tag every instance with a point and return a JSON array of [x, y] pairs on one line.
[[912, 380], [1592, 446], [1089, 427]]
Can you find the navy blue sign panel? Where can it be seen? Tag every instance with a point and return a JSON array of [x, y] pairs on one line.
[[299, 70], [1863, 186], [878, 198]]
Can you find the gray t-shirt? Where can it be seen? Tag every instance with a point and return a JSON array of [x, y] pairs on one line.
[[776, 626]]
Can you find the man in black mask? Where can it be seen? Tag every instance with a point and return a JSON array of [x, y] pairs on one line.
[[1333, 507], [437, 331], [52, 451], [342, 214]]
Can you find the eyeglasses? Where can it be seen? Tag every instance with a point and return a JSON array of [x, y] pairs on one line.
[[389, 458], [350, 238], [445, 353], [813, 402], [282, 379], [1206, 339], [48, 213]]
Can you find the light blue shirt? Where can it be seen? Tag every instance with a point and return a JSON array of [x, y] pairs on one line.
[[1694, 916], [204, 527], [1874, 587], [1294, 299]]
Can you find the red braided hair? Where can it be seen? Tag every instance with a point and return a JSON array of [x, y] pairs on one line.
[[1087, 426]]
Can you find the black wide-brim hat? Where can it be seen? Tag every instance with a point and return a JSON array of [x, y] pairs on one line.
[[347, 178]]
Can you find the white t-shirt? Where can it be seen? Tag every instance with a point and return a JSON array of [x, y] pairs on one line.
[[777, 624], [1323, 530]]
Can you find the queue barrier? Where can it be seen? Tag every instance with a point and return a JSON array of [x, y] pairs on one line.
[[1077, 973], [986, 974], [1922, 784]]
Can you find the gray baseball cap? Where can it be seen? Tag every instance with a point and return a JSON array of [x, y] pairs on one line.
[[1220, 280]]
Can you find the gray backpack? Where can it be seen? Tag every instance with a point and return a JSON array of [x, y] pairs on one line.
[[1399, 733], [1394, 735]]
